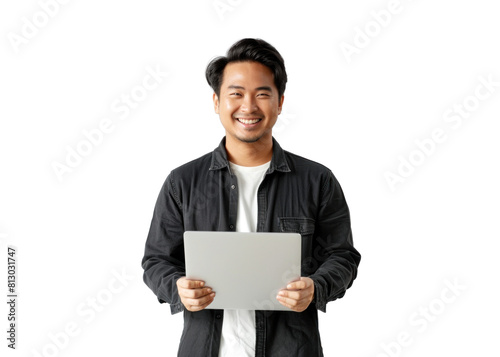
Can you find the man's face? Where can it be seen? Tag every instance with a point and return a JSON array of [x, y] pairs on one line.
[[249, 103]]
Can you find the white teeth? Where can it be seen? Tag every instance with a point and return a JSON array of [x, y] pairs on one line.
[[247, 121]]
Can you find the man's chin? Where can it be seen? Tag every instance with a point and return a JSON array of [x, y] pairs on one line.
[[249, 139]]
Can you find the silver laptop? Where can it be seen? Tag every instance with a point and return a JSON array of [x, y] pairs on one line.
[[246, 270]]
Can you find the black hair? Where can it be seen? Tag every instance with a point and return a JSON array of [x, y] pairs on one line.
[[248, 49]]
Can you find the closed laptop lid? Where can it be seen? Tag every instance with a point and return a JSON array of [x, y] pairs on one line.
[[246, 270]]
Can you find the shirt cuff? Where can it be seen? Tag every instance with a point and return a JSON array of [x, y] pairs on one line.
[[319, 298], [176, 308]]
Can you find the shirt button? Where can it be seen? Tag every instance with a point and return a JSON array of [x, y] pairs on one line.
[[233, 187], [218, 316], [231, 226]]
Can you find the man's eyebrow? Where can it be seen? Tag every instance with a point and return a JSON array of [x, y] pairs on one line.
[[266, 88]]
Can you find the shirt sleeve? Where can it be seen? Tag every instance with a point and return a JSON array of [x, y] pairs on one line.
[[334, 246], [163, 260]]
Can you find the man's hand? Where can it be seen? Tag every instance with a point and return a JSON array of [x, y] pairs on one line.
[[297, 295], [194, 294]]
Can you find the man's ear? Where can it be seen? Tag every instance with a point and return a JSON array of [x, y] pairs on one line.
[[280, 106], [216, 103]]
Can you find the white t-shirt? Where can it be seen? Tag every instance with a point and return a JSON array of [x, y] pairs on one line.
[[238, 326]]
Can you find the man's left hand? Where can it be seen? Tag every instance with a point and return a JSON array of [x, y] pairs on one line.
[[297, 295]]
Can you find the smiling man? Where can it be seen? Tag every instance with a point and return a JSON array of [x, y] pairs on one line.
[[250, 184]]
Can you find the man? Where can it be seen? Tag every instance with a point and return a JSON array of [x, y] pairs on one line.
[[249, 183]]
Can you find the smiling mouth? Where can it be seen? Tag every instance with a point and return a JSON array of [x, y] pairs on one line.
[[248, 121]]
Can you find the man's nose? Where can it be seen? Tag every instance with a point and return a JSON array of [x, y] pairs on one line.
[[249, 104]]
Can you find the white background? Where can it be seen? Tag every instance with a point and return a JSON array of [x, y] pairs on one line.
[[358, 114]]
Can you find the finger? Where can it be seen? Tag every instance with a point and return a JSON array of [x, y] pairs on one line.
[[301, 284], [297, 294], [295, 298], [290, 303], [203, 301], [190, 284], [296, 285], [293, 304], [198, 307], [283, 300], [194, 293], [292, 294]]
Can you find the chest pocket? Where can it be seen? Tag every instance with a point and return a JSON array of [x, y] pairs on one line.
[[304, 226]]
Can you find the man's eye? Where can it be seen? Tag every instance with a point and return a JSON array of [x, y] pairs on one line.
[[236, 94], [263, 95]]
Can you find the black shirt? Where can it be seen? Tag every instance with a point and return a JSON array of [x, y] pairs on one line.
[[296, 195]]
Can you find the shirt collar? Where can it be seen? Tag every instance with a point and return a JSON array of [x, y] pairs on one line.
[[278, 160]]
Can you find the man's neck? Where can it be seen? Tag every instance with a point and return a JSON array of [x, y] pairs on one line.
[[249, 154]]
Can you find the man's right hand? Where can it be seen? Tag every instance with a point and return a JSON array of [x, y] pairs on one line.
[[194, 294]]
